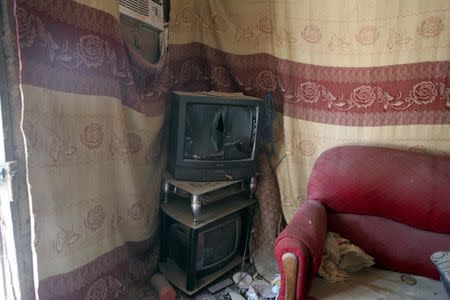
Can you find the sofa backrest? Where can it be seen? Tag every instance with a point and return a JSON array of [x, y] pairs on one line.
[[408, 187]]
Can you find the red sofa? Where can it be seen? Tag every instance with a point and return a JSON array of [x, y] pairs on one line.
[[394, 204]]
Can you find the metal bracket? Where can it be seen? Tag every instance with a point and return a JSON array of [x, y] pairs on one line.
[[196, 206]]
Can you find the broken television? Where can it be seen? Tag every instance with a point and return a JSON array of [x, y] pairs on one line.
[[213, 136]]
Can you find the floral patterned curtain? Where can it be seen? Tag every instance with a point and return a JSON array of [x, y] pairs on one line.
[[92, 119], [340, 72], [347, 72]]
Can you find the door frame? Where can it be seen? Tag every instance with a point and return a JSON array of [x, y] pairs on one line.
[[15, 168]]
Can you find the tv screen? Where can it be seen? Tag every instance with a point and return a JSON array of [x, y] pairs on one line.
[[219, 132], [215, 245], [213, 137]]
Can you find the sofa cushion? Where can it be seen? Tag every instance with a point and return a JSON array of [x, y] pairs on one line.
[[373, 283], [411, 188], [394, 246]]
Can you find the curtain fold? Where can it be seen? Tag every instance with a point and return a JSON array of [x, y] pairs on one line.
[[93, 115]]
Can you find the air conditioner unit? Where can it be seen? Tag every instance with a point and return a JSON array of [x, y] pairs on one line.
[[147, 11]]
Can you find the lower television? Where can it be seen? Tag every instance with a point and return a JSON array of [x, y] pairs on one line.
[[216, 245], [194, 254]]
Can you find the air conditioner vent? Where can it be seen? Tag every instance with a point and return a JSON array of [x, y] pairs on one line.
[[147, 11], [138, 6]]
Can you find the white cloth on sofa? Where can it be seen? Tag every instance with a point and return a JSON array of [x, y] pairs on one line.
[[341, 258]]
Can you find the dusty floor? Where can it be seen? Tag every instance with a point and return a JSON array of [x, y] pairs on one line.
[[145, 292]]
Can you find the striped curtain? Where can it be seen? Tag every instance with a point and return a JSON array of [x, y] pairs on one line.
[[343, 72], [92, 119]]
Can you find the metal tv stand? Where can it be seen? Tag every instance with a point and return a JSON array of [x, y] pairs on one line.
[[203, 193]]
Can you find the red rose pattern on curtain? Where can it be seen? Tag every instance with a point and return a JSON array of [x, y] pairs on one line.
[[93, 116]]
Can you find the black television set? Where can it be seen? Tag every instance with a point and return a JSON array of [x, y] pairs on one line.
[[193, 254], [216, 245], [213, 136]]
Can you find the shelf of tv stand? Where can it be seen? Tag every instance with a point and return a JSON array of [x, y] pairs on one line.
[[198, 187], [179, 209], [178, 277]]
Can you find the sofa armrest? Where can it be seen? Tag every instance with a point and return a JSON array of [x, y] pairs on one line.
[[304, 239], [290, 269], [294, 265]]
